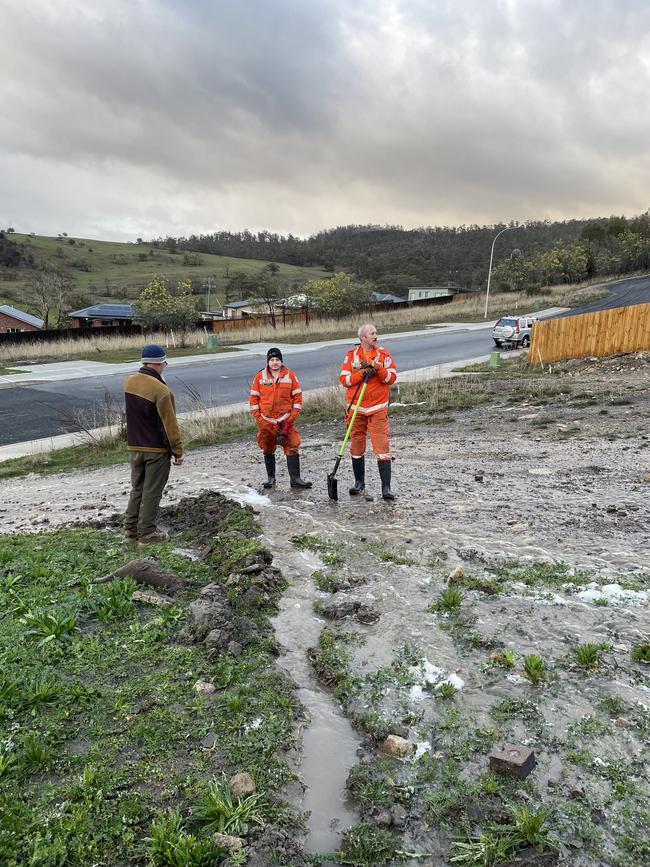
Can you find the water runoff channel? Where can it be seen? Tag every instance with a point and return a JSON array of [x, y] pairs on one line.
[[329, 743]]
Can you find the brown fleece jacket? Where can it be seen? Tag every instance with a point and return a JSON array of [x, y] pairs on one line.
[[151, 424]]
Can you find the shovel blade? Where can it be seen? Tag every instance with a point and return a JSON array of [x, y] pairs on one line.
[[332, 487]]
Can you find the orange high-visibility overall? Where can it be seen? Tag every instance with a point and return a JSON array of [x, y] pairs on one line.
[[275, 403], [372, 417]]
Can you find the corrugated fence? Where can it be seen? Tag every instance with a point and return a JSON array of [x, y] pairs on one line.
[[606, 332]]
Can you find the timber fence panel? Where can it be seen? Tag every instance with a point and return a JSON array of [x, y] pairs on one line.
[[605, 332]]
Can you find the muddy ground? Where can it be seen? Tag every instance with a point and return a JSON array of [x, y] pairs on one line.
[[546, 471]]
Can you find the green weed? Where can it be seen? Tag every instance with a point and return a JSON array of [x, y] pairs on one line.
[[449, 602], [641, 652], [171, 846], [534, 668], [364, 846], [447, 690], [503, 659], [220, 812], [48, 626], [588, 655]]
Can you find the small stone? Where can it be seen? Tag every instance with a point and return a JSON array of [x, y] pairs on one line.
[[621, 513], [479, 476], [382, 819], [209, 742], [399, 730], [234, 648], [225, 841], [397, 746], [204, 688], [646, 476], [399, 816], [456, 575], [518, 761], [241, 785], [150, 598]]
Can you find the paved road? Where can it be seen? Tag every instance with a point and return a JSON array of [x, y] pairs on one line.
[[636, 290], [34, 411]]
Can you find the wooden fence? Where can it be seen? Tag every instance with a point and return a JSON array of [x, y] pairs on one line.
[[605, 332]]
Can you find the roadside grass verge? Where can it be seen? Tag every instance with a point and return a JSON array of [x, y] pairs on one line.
[[5, 371], [206, 428], [103, 731]]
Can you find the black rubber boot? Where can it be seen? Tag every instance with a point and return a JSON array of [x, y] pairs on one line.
[[269, 460], [359, 468], [384, 475], [293, 465]]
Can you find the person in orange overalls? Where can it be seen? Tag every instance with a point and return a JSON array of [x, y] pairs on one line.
[[276, 400], [372, 361]]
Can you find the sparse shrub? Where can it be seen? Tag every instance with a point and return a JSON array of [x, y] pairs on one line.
[[588, 655], [641, 652], [113, 602], [447, 690], [36, 753], [7, 762], [534, 668], [448, 602], [44, 689], [171, 846], [222, 813], [503, 659], [364, 846], [49, 626]]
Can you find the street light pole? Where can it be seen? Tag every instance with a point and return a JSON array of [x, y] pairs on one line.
[[487, 294]]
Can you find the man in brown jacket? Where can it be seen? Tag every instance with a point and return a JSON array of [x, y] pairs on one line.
[[153, 437]]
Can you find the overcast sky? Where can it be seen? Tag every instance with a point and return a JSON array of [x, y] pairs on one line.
[[151, 117]]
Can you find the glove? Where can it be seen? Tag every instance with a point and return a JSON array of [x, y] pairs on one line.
[[283, 433], [369, 370]]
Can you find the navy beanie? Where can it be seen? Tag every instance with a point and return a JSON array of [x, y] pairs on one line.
[[153, 354], [274, 352]]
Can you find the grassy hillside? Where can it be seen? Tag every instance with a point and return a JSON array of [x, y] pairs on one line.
[[109, 271]]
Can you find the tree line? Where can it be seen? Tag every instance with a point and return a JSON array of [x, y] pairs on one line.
[[394, 258]]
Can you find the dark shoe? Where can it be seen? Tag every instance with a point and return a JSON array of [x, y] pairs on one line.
[[384, 474], [359, 468], [152, 538], [293, 465], [269, 461]]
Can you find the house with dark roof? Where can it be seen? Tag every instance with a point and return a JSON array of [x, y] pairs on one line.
[[100, 315], [386, 298], [13, 320]]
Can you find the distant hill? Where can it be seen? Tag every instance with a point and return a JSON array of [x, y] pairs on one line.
[[108, 271], [392, 257]]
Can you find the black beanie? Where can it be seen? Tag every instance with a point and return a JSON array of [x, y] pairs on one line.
[[274, 352]]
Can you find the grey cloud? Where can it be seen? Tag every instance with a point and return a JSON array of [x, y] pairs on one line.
[[297, 115]]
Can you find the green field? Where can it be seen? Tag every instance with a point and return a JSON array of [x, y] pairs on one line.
[[114, 272]]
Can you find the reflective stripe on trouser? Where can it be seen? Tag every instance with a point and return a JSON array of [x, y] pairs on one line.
[[149, 474], [375, 424], [267, 434]]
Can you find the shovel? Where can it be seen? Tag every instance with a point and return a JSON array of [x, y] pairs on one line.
[[332, 482]]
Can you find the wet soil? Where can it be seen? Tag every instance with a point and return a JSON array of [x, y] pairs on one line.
[[547, 472]]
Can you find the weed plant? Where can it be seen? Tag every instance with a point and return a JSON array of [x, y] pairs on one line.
[[220, 812], [588, 656], [641, 652], [534, 668], [449, 602]]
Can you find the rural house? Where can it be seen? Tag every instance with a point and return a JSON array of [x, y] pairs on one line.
[[13, 320], [100, 315]]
